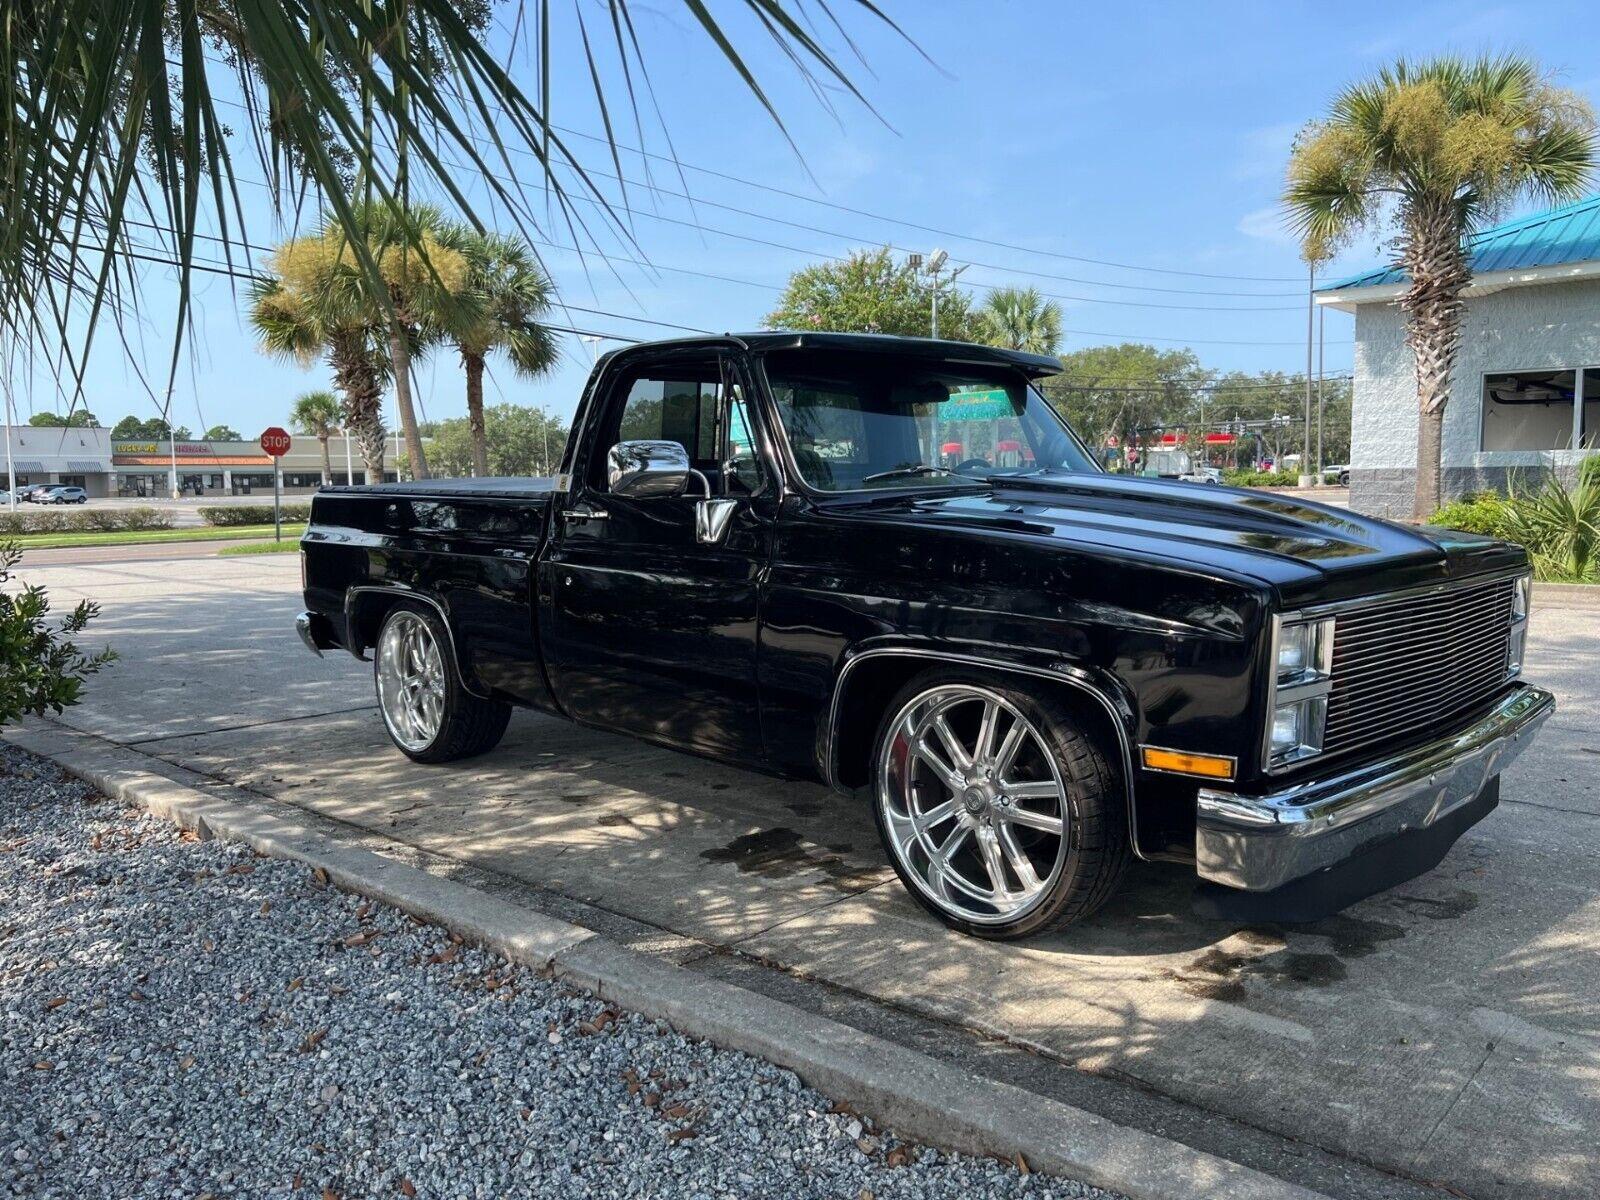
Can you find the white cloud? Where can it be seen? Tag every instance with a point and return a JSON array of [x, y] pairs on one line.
[[1267, 224], [1264, 151]]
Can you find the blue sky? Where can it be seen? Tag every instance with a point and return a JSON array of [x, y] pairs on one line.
[[1146, 135]]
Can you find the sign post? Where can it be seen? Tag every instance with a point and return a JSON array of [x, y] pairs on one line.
[[276, 443]]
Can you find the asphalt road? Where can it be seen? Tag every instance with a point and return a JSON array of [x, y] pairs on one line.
[[1445, 1033]]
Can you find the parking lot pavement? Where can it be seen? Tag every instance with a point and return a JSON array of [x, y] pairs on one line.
[[1448, 1031]]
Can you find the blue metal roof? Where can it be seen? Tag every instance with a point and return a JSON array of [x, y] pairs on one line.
[[1561, 235]]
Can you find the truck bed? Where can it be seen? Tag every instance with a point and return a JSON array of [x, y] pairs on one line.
[[513, 487]]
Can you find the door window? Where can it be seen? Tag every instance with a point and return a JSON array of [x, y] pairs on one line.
[[688, 403]]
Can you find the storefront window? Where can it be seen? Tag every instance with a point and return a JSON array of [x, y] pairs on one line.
[[1534, 410]]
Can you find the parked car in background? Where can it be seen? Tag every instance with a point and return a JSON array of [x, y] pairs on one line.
[[1339, 474], [1031, 672], [1203, 475], [30, 491], [62, 495]]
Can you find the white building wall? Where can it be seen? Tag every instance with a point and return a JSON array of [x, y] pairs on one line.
[[1538, 327]]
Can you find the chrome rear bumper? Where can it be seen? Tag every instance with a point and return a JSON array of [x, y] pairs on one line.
[[1263, 842]]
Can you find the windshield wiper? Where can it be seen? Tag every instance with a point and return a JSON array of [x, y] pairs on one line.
[[921, 469]]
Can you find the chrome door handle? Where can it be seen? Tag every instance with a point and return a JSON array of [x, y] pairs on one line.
[[585, 513]]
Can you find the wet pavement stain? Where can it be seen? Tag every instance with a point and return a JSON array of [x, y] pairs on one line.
[[779, 853], [1312, 970], [1352, 937], [1449, 909]]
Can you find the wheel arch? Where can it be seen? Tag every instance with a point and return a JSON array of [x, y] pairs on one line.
[[871, 677], [366, 606]]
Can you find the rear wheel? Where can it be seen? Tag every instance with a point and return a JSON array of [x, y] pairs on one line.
[[427, 713], [1000, 814]]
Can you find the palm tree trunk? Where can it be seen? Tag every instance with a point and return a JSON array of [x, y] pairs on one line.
[[1437, 265], [356, 377], [480, 440], [400, 355], [327, 461]]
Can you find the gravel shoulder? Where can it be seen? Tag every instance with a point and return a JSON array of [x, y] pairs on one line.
[[184, 1018]]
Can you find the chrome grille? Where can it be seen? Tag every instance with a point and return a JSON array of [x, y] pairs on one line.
[[1404, 665]]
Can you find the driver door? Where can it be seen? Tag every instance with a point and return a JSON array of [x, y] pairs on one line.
[[646, 628]]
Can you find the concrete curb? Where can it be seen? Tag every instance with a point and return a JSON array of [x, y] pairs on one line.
[[913, 1094]]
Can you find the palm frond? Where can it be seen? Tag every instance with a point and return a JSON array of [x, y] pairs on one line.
[[110, 114]]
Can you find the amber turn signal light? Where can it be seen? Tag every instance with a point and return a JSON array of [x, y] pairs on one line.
[[1182, 762]]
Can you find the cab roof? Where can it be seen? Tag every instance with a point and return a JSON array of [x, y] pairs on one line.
[[1032, 365]]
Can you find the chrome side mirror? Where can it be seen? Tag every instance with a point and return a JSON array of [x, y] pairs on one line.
[[646, 469]]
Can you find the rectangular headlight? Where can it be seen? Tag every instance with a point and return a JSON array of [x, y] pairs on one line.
[[1297, 701]]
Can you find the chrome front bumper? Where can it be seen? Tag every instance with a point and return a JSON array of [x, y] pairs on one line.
[[1263, 842]]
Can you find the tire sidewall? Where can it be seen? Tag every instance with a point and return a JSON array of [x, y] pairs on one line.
[[1066, 881]]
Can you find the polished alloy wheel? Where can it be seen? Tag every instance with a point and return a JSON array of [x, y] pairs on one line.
[[973, 803], [411, 683]]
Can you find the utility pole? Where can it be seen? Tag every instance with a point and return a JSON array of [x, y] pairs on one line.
[[1306, 478], [1322, 336], [11, 468]]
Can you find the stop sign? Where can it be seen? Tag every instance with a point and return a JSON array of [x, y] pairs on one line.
[[275, 442]]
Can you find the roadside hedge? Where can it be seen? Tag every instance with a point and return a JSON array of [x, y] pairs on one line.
[[1260, 478], [84, 520], [252, 514]]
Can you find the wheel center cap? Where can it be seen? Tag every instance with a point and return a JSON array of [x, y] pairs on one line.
[[975, 800]]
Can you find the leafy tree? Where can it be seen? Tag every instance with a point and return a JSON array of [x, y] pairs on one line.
[[509, 293], [1442, 145], [313, 303], [112, 116], [1119, 390], [41, 668], [869, 292], [522, 441], [1019, 319], [317, 414], [223, 433], [79, 418], [153, 429]]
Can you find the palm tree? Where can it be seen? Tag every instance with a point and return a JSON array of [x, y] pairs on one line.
[[1443, 145], [1020, 319], [509, 293], [426, 292], [317, 414], [313, 304], [114, 135]]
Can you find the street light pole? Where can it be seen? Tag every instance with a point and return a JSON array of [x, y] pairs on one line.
[[1322, 336], [1306, 479]]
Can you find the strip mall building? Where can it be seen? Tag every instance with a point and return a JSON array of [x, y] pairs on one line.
[[228, 468]]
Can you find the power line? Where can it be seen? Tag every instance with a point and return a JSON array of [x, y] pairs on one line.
[[851, 237], [932, 229]]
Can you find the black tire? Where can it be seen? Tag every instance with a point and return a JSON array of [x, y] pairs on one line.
[[470, 725], [1098, 850]]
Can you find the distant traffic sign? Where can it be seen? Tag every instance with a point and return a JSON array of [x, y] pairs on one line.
[[275, 442]]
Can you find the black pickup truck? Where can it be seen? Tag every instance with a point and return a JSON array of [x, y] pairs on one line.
[[888, 564]]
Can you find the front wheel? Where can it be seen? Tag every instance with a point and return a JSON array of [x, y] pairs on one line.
[[1000, 814], [427, 713]]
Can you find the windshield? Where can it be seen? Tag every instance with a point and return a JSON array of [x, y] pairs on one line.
[[869, 421]]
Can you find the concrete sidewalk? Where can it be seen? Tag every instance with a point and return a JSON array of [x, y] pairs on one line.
[[1446, 1032]]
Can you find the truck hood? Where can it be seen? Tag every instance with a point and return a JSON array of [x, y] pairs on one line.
[[1307, 552]]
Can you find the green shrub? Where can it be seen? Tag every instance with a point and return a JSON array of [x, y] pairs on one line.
[[40, 666], [1559, 525], [1260, 478], [252, 514], [83, 520], [1484, 512]]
